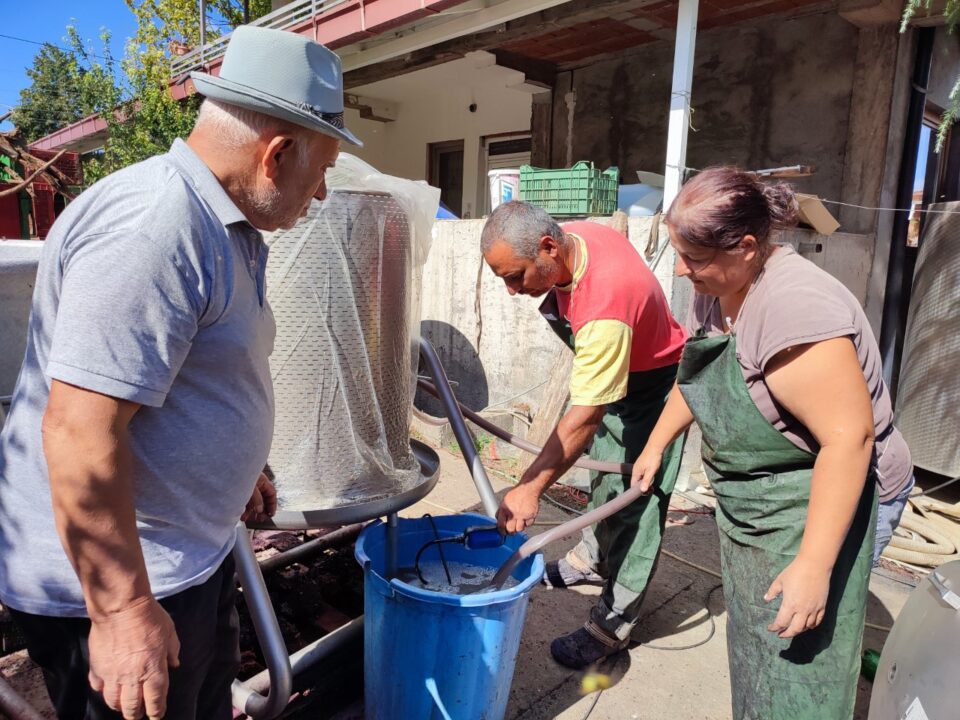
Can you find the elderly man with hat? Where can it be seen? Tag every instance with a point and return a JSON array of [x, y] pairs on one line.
[[143, 413]]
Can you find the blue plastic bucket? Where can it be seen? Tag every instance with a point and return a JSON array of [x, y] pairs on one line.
[[433, 655]]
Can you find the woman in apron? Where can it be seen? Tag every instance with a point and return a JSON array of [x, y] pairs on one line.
[[782, 375]]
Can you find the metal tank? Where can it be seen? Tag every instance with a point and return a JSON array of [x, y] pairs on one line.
[[18, 272], [917, 675], [343, 366]]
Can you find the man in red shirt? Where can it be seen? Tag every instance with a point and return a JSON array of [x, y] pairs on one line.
[[604, 302]]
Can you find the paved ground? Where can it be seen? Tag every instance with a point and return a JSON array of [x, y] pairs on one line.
[[655, 680]]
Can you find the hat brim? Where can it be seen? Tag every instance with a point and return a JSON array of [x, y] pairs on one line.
[[218, 88]]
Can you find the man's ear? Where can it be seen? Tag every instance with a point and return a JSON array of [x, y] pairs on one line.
[[276, 152], [550, 246]]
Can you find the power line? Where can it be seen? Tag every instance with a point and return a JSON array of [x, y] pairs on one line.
[[889, 209], [59, 47]]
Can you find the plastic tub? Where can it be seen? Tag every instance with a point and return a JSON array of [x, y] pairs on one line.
[[434, 655], [504, 186]]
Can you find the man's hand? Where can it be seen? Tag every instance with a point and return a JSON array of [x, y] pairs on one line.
[[518, 509], [263, 502], [805, 587], [130, 652], [645, 469]]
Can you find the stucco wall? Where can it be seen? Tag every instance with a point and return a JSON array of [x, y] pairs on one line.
[[767, 94], [434, 106]]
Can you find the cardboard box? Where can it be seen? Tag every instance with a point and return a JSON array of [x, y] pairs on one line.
[[814, 214]]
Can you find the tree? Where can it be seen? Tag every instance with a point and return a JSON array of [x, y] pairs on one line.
[[53, 99], [951, 13], [133, 96]]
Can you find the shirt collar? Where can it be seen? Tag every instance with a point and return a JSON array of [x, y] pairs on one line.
[[581, 267], [206, 183]]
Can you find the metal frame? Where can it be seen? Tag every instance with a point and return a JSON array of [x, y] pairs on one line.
[[284, 18], [266, 695]]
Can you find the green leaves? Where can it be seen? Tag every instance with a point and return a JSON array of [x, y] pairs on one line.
[[951, 12], [132, 95], [53, 99]]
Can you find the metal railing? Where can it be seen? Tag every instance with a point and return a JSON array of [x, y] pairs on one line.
[[284, 18]]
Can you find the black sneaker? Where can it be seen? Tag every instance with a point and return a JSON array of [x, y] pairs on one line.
[[581, 648]]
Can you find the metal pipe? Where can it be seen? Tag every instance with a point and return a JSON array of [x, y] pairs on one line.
[[896, 295], [268, 632], [309, 655], [307, 550], [14, 706], [203, 26], [459, 426], [393, 526], [575, 525], [587, 463]]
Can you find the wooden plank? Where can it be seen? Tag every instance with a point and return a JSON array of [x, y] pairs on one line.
[[551, 409]]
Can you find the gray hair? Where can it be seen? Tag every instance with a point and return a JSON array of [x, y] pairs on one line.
[[237, 127], [520, 225]]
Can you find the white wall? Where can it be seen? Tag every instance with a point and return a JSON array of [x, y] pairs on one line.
[[433, 106]]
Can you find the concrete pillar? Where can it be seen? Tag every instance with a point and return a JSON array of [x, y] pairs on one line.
[[892, 157], [541, 130], [680, 93], [865, 161]]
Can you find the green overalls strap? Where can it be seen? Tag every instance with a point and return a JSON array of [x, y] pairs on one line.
[[762, 483], [627, 543]]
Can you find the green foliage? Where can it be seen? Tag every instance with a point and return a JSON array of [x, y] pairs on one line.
[[951, 12], [53, 98], [132, 95]]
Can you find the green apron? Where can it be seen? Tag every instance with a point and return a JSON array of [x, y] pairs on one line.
[[762, 483], [624, 547]]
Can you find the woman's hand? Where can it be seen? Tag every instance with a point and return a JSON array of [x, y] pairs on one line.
[[804, 586], [645, 469]]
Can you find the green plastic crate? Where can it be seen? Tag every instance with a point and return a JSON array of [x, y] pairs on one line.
[[580, 190]]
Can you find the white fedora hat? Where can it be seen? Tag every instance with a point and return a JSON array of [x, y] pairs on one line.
[[281, 74]]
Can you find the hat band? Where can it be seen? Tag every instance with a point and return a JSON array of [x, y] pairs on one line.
[[335, 119]]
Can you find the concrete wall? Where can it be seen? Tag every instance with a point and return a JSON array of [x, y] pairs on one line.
[[771, 93], [496, 346], [433, 106]]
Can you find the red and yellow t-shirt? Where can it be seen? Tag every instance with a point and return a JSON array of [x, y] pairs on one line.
[[618, 314]]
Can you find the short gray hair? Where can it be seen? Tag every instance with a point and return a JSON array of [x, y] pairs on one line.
[[520, 225], [238, 127]]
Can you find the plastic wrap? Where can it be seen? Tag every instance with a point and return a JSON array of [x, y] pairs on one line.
[[344, 286]]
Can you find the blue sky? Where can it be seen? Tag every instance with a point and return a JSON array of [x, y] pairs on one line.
[[46, 21]]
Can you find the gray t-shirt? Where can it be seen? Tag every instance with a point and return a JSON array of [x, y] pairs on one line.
[[150, 289], [793, 302]]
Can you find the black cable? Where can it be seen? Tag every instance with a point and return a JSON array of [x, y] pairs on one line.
[[37, 42], [443, 560], [708, 638], [934, 489], [416, 562]]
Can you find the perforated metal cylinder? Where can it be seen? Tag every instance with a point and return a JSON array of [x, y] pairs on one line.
[[343, 365], [929, 392]]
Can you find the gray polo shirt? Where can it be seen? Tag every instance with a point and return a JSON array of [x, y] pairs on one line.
[[150, 289]]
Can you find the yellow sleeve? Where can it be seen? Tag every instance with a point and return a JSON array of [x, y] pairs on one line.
[[601, 363]]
